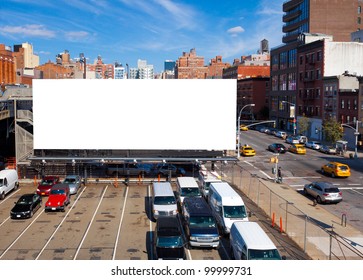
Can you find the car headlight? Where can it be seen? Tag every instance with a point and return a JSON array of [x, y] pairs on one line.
[[193, 238], [58, 203], [38, 190]]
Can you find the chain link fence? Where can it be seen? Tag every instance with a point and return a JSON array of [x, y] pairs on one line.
[[317, 239]]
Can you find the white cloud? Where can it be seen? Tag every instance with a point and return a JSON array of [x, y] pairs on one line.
[[235, 30], [32, 30]]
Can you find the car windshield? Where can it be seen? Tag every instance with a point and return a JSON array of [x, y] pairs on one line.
[[164, 200], [57, 191], [331, 190], [46, 182], [248, 149], [170, 241], [70, 180], [25, 200], [1, 181], [202, 222], [238, 211], [263, 254], [189, 192]]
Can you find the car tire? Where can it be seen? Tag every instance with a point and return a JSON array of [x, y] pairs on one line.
[[31, 214], [322, 171], [318, 199], [305, 192], [333, 175], [2, 196]]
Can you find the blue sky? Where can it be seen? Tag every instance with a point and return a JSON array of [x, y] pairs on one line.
[[153, 30]]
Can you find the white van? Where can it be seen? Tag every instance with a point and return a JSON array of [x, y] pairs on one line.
[[187, 187], [163, 200], [227, 205], [205, 178], [8, 181], [248, 241]]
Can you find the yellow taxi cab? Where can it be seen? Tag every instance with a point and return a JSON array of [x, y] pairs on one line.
[[297, 149], [242, 127], [247, 151], [336, 169]]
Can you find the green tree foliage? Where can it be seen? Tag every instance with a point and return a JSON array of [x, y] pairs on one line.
[[303, 125], [332, 130]]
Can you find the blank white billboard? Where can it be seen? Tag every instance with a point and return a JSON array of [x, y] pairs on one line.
[[135, 114]]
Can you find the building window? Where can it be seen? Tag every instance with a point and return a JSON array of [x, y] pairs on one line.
[[317, 111], [355, 104], [342, 104], [348, 119], [317, 93], [318, 56], [301, 59], [348, 104], [359, 10], [359, 20], [283, 60], [292, 81], [318, 74]]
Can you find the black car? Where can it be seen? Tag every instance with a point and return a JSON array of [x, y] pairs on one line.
[[26, 206], [277, 148], [169, 239]]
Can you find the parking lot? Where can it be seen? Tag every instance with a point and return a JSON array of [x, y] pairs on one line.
[[102, 222]]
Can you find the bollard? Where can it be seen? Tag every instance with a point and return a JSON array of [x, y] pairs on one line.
[[281, 231], [158, 177], [35, 181], [139, 179], [116, 183], [273, 220]]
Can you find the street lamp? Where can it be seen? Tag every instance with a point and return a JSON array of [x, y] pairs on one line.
[[239, 128], [294, 121]]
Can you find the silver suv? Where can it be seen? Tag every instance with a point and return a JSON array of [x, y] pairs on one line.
[[323, 192]]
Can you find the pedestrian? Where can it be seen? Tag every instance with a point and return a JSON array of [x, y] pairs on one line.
[[279, 175]]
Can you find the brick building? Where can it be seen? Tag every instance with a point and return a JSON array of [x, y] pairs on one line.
[[102, 71], [52, 70], [336, 18], [215, 68], [190, 66], [7, 66]]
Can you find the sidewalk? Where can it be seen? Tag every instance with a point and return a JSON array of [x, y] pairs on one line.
[[324, 218]]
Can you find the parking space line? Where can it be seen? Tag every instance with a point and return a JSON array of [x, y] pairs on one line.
[[60, 224], [10, 195], [119, 225], [20, 235], [90, 224]]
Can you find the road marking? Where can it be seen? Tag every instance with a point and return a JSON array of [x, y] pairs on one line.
[[119, 225], [90, 224], [11, 245], [60, 224], [7, 197]]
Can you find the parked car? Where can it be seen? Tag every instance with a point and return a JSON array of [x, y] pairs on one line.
[[277, 148], [292, 140], [328, 149], [297, 149], [46, 184], [8, 181], [169, 239], [313, 145], [247, 151], [26, 206], [281, 134], [128, 169], [74, 182], [164, 169], [59, 198], [323, 192], [336, 169], [302, 139]]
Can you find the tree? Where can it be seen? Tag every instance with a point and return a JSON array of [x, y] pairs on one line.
[[332, 130], [303, 125]]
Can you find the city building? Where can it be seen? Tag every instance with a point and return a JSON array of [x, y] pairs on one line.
[[101, 70], [119, 71], [190, 66], [253, 91], [50, 70], [169, 70], [25, 58], [215, 68], [143, 70], [7, 66], [335, 18]]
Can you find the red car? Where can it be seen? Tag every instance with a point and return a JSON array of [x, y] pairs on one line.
[[58, 199], [46, 184]]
